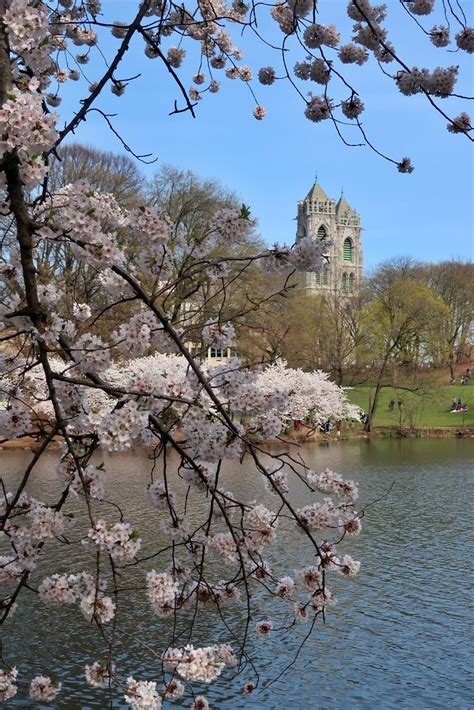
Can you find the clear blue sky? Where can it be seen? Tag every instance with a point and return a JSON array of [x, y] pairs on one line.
[[271, 164]]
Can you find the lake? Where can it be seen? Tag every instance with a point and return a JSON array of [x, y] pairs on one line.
[[400, 636]]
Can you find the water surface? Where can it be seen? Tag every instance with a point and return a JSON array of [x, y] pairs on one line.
[[401, 635]]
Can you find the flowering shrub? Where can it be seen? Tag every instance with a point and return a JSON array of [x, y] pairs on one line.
[[308, 395], [64, 378]]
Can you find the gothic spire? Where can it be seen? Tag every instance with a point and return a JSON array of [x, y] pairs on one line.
[[316, 192], [342, 205]]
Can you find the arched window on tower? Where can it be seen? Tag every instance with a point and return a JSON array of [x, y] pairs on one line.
[[347, 250], [351, 283], [344, 283], [325, 275], [322, 234]]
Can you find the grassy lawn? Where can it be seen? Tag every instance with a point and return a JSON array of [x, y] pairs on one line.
[[427, 409]]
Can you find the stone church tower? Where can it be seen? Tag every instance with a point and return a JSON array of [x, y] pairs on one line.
[[320, 217]]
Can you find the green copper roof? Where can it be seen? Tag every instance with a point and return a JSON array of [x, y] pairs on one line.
[[316, 193], [342, 205]]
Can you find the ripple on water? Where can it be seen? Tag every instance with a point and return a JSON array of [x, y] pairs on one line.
[[400, 636]]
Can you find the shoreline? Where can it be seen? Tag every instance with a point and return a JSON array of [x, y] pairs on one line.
[[383, 432], [300, 437]]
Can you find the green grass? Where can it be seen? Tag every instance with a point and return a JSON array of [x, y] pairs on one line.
[[427, 409]]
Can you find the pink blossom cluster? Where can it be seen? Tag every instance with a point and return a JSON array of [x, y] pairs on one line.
[[120, 427], [439, 35], [8, 688], [284, 17], [320, 72], [259, 530], [208, 439], [333, 483], [139, 334], [119, 540], [260, 526], [308, 254], [162, 590], [89, 220], [353, 107], [10, 570], [353, 54], [266, 75], [266, 426], [89, 480], [31, 523], [82, 589], [307, 394], [310, 580], [150, 223], [421, 7], [142, 695], [28, 28], [200, 664], [465, 39], [43, 690], [229, 224], [277, 480], [225, 545], [321, 515], [98, 675], [173, 689], [26, 129], [316, 35], [266, 399], [15, 418], [439, 82], [318, 109], [264, 628], [460, 124], [213, 595]]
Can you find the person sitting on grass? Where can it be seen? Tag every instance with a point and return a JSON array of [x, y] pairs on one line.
[[460, 407]]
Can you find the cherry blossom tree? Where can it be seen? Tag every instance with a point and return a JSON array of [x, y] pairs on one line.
[[308, 395], [63, 382]]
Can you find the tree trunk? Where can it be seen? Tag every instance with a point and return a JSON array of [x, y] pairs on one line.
[[451, 364], [373, 408]]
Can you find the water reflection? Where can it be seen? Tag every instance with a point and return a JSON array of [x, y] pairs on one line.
[[400, 634]]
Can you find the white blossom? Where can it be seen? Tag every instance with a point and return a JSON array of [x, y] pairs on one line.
[[8, 688], [200, 664], [43, 690], [465, 39], [318, 109], [266, 75], [460, 124], [142, 695], [99, 675], [120, 541]]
